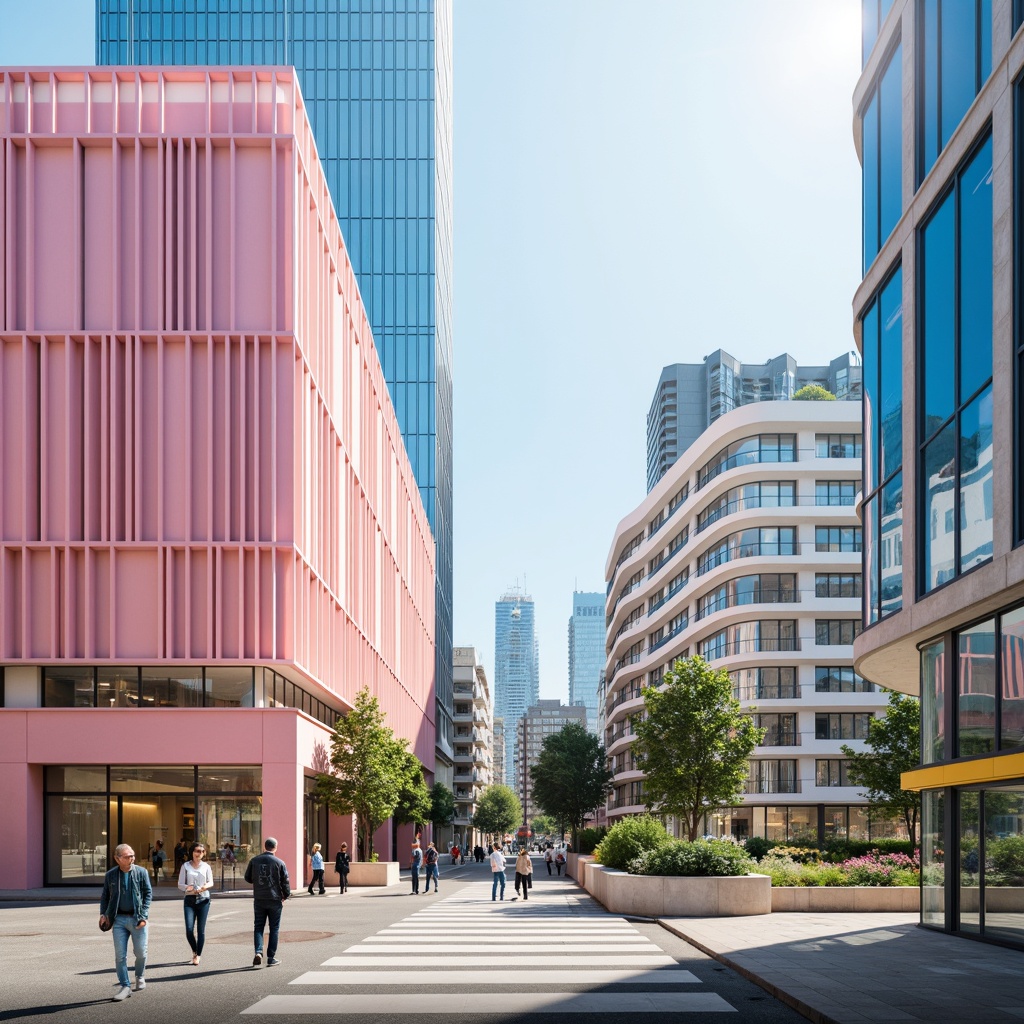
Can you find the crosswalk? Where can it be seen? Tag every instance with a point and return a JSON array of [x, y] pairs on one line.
[[560, 952]]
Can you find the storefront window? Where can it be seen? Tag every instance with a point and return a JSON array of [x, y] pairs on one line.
[[231, 779], [1011, 723], [230, 827], [859, 823], [933, 689], [977, 689], [77, 847], [172, 687], [155, 778], [229, 688], [970, 861], [933, 869], [1004, 864]]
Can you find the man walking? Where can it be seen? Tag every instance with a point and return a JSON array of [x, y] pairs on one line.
[[124, 911], [268, 876], [497, 871], [417, 861]]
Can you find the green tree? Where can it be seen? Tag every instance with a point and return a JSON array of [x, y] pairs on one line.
[[894, 743], [369, 769], [813, 393], [442, 805], [543, 824], [498, 811], [571, 777], [413, 799], [694, 743]]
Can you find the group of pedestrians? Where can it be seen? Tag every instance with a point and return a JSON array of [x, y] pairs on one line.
[[127, 896], [425, 861], [524, 873]]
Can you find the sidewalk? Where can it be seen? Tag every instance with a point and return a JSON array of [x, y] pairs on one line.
[[865, 968]]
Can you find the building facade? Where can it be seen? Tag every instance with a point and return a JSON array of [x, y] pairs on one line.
[[516, 670], [540, 720], [938, 129], [376, 77], [474, 741], [586, 652], [748, 552], [691, 396], [498, 750], [210, 533]]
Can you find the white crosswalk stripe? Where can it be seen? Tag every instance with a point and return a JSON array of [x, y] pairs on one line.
[[559, 952]]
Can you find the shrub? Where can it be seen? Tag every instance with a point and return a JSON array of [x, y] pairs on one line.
[[628, 839], [589, 838], [1007, 855], [713, 857], [881, 868], [800, 854], [757, 846], [782, 869], [839, 850]]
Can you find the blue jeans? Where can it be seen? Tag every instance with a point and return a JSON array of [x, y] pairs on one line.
[[262, 913], [431, 874], [124, 926], [415, 871], [499, 879], [195, 925]]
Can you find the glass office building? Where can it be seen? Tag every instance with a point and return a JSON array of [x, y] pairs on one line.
[[516, 668], [939, 129], [586, 652], [376, 77]]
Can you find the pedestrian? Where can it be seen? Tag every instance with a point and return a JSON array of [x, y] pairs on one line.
[[317, 867], [417, 861], [124, 911], [268, 876], [431, 859], [479, 853], [157, 858], [549, 858], [342, 863], [455, 854], [559, 861], [524, 873], [180, 855], [497, 871], [462, 854], [195, 880]]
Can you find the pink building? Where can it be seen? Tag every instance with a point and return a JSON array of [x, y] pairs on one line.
[[210, 534]]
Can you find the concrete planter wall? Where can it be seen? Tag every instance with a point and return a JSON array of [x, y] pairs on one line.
[[656, 896], [852, 899], [382, 872]]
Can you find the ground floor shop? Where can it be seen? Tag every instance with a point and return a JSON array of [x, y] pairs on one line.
[[78, 781], [802, 823]]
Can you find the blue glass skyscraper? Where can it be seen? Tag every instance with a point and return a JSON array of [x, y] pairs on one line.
[[516, 670], [586, 652], [376, 78]]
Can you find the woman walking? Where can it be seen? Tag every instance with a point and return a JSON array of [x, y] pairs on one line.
[[317, 866], [195, 880], [341, 866], [524, 873]]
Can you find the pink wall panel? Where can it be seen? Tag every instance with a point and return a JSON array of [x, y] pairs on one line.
[[232, 481]]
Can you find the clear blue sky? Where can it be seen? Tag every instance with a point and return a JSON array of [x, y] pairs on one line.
[[636, 184]]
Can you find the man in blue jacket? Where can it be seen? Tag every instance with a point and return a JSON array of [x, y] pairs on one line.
[[124, 910], [268, 877]]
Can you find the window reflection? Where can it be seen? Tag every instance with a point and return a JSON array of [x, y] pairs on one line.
[[976, 725]]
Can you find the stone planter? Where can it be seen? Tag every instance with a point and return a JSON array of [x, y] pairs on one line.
[[847, 899], [658, 896], [381, 872]]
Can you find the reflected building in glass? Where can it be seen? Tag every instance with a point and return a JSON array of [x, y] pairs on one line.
[[376, 78], [691, 396], [938, 319]]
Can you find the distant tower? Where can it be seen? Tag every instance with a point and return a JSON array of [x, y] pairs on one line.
[[586, 652], [516, 674]]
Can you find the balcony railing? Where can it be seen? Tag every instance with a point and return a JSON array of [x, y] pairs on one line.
[[734, 552], [728, 648]]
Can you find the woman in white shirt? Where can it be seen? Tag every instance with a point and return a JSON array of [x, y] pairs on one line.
[[196, 882]]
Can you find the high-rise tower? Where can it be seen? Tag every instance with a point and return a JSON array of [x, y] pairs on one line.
[[516, 675], [586, 652], [376, 78]]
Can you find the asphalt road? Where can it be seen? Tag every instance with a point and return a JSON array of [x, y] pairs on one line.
[[380, 956]]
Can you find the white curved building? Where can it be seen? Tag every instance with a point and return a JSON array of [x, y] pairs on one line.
[[748, 551]]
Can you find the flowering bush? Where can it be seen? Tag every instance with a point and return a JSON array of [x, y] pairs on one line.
[[872, 869], [706, 857]]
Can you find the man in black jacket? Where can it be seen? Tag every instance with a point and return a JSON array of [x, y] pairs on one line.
[[268, 876]]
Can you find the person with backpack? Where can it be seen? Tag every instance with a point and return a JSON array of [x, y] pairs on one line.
[[559, 861], [430, 859]]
